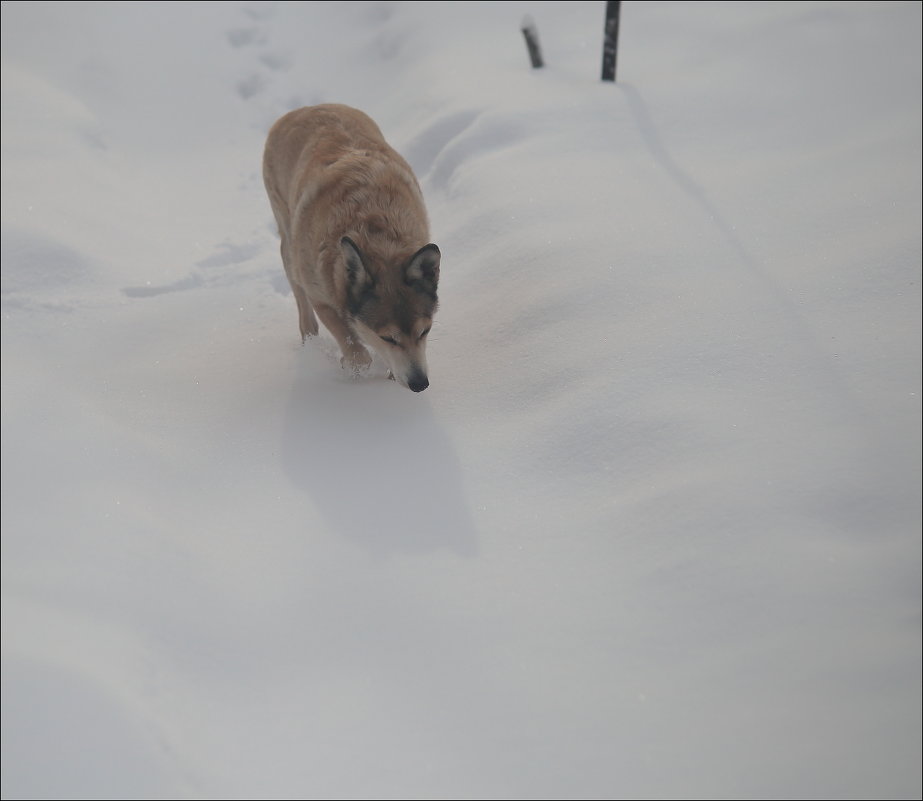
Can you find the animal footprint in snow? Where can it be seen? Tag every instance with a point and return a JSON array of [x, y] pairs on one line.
[[241, 37], [276, 61], [250, 86]]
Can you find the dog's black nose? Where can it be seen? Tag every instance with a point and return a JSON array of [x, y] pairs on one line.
[[418, 384]]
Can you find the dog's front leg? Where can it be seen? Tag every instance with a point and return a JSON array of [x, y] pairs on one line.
[[355, 356]]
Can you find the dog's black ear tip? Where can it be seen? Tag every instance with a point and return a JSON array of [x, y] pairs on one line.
[[428, 252]]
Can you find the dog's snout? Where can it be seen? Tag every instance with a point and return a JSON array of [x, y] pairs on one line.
[[418, 383]]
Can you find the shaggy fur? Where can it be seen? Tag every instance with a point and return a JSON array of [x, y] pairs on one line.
[[355, 237]]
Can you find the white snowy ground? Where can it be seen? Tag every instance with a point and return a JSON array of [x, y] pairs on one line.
[[653, 531]]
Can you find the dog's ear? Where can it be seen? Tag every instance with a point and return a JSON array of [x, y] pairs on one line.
[[422, 271], [359, 280]]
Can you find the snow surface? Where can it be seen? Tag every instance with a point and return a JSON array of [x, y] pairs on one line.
[[654, 529]]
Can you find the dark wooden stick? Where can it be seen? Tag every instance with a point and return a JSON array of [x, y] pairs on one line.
[[531, 33], [611, 39]]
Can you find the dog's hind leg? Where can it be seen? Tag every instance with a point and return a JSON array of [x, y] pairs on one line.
[[307, 322]]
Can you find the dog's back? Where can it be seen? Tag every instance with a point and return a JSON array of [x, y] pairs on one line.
[[317, 147], [354, 228]]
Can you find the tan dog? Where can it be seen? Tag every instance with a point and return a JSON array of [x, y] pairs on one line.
[[355, 237]]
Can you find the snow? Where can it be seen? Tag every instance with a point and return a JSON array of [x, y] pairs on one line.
[[653, 530]]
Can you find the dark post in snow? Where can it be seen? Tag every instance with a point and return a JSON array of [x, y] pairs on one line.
[[531, 33], [610, 40]]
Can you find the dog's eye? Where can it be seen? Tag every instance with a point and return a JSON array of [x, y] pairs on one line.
[[423, 333], [390, 340]]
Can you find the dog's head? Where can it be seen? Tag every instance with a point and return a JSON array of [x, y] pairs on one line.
[[391, 307]]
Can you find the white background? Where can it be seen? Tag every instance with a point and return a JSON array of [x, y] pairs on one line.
[[654, 529]]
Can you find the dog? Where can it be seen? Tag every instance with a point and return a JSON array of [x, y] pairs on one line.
[[355, 238]]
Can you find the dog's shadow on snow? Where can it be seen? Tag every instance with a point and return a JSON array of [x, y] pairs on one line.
[[376, 464]]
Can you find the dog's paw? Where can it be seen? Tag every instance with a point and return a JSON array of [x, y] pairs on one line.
[[356, 363]]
